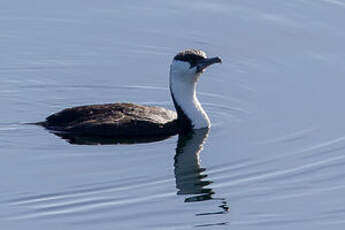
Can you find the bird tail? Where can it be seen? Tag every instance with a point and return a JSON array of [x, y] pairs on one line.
[[41, 123]]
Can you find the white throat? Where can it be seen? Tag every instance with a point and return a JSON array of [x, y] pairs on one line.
[[183, 88]]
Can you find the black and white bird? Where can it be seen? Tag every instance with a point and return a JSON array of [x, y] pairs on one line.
[[126, 120]]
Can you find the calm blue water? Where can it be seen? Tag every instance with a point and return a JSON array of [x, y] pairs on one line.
[[273, 159]]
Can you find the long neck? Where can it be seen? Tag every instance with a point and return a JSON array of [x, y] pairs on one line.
[[190, 114]]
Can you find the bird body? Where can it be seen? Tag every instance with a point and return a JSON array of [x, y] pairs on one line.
[[126, 120], [115, 120]]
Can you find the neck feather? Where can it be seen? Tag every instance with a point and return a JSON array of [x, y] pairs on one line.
[[190, 114]]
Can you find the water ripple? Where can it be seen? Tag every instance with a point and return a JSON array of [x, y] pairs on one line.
[[83, 201]]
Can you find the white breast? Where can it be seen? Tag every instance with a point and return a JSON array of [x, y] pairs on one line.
[[183, 83]]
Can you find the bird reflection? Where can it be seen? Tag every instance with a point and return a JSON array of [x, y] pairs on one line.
[[77, 139], [191, 178]]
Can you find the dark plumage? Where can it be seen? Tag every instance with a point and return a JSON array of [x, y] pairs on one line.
[[123, 120], [192, 56]]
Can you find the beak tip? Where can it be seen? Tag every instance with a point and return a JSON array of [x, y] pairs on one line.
[[219, 60]]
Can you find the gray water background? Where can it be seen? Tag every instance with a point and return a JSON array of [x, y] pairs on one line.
[[275, 152]]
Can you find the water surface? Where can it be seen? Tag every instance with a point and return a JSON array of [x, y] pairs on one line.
[[274, 157]]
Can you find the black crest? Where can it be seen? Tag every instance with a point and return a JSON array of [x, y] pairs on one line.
[[192, 56]]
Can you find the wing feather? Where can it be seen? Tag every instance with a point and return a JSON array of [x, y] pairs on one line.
[[119, 119]]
